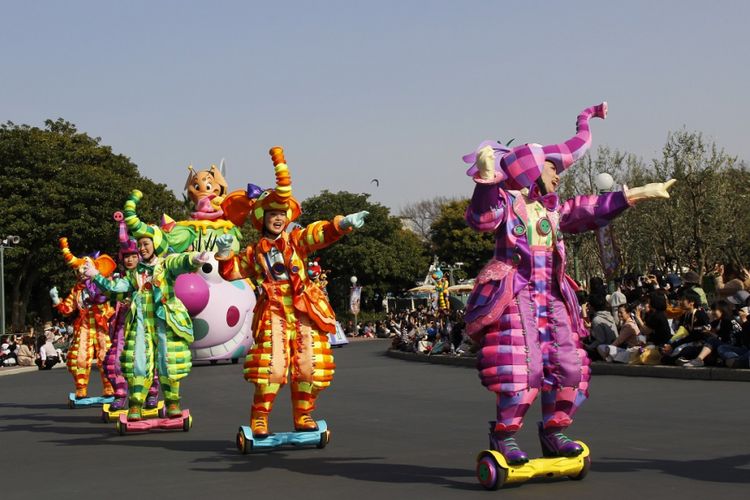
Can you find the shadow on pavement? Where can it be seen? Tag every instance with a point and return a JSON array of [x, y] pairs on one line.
[[732, 469], [356, 468]]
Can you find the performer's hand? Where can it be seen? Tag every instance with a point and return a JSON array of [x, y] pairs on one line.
[[53, 294], [486, 163], [356, 220], [89, 269], [649, 191], [201, 258], [224, 245]]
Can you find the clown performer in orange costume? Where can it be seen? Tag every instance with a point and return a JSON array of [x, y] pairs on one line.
[[292, 316]]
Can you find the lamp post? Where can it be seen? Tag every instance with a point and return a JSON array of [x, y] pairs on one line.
[[8, 241], [354, 302]]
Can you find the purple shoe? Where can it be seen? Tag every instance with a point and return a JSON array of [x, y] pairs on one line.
[[557, 444], [508, 447], [152, 401], [119, 404]]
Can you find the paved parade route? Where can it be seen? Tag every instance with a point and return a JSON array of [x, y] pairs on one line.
[[400, 430]]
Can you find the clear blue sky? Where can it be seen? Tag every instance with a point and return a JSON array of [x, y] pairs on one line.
[[394, 90]]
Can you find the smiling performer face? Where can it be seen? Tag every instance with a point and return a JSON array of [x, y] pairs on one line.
[[274, 222]]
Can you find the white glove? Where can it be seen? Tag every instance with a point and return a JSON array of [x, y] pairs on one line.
[[54, 296], [201, 258], [486, 163], [224, 244], [649, 191], [356, 220]]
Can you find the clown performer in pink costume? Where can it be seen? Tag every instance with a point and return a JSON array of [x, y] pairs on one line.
[[523, 310], [129, 258]]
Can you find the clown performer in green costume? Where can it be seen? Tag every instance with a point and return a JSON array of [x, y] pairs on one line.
[[158, 329]]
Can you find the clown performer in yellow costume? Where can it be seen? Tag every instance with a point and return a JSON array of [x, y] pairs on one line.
[[292, 316]]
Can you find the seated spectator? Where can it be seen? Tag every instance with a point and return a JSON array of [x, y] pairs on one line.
[[691, 281], [440, 346], [628, 337], [603, 329], [693, 329], [725, 331], [9, 351], [739, 356], [652, 321], [26, 354], [48, 356], [730, 279]]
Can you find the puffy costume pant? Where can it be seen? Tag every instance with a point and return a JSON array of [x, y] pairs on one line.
[[284, 339], [533, 348], [112, 366], [88, 341], [150, 344]]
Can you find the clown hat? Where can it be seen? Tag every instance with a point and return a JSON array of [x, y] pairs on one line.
[[279, 198], [103, 262], [140, 229], [521, 166]]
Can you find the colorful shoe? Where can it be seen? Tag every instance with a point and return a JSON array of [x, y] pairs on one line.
[[173, 409], [118, 404], [134, 413], [152, 401], [303, 422], [81, 393], [557, 444], [507, 446], [259, 424]]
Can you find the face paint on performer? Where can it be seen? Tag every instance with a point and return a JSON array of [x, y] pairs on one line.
[[274, 222], [146, 248]]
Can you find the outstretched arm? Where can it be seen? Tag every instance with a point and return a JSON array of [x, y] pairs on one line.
[[67, 306], [232, 266], [321, 234]]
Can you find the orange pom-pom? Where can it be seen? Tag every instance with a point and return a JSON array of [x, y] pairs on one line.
[[277, 155]]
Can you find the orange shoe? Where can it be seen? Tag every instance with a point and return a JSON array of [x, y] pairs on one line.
[[304, 422], [259, 423], [81, 393]]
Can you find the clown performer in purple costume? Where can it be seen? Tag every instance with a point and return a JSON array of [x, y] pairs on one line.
[[129, 257], [523, 310]]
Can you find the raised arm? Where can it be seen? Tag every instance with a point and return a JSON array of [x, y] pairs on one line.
[[231, 265], [487, 207]]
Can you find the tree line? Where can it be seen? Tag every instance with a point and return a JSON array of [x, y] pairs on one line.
[[56, 181]]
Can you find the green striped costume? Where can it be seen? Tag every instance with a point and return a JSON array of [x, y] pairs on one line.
[[158, 329]]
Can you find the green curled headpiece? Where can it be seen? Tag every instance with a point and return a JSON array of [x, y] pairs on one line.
[[139, 229]]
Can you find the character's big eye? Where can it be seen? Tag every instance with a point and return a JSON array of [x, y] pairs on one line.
[[208, 186], [197, 186]]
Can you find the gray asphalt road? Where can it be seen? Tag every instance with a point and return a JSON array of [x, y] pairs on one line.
[[400, 430]]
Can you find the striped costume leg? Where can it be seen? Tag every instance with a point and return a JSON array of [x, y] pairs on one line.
[[567, 370], [138, 363], [312, 365], [101, 346], [173, 360], [267, 362], [80, 356], [112, 359]]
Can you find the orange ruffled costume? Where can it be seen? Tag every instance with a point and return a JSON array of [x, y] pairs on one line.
[[292, 316]]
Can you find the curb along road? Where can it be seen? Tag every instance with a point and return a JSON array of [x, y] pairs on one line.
[[601, 368]]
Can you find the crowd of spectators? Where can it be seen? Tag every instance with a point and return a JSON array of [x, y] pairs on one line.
[[659, 318], [668, 319], [43, 346]]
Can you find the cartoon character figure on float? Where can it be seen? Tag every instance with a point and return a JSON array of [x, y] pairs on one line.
[[221, 310], [441, 289], [523, 310], [158, 328], [90, 328], [129, 257], [292, 317]]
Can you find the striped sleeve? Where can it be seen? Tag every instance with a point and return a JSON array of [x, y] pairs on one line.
[[321, 234]]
